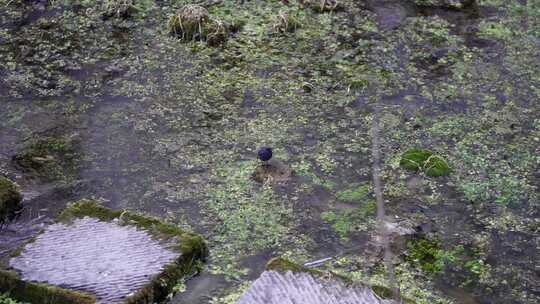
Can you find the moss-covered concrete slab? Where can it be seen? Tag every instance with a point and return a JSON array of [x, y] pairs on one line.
[[96, 255], [286, 283]]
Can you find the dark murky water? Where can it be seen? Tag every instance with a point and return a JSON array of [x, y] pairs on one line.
[[145, 142]]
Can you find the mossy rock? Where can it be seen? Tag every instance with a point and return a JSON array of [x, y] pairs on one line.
[[424, 160], [10, 200], [181, 255], [50, 158]]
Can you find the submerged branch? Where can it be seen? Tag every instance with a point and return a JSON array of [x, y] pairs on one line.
[[384, 233]]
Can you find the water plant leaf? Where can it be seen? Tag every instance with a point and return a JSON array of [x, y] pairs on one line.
[[424, 160]]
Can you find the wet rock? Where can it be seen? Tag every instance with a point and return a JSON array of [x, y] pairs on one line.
[[10, 200], [49, 158], [285, 283], [96, 255], [273, 170]]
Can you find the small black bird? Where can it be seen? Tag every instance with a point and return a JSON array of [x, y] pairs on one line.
[[264, 154]]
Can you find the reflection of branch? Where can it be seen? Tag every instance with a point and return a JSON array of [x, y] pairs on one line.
[[377, 188], [320, 262]]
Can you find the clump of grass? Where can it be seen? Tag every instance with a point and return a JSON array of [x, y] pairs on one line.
[[119, 8], [424, 160], [285, 22], [193, 22], [322, 6]]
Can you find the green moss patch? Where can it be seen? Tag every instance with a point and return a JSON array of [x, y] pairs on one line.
[[424, 160], [429, 255], [347, 221], [354, 194]]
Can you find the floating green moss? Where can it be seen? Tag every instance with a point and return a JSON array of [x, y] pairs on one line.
[[354, 194], [429, 255], [425, 161], [346, 221], [10, 200]]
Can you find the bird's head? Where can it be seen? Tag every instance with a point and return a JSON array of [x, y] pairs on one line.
[[264, 153]]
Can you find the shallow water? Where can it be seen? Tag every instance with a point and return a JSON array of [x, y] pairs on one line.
[[171, 129]]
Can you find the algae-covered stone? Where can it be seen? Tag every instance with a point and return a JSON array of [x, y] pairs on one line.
[[49, 158], [10, 200], [285, 282], [425, 161], [96, 255]]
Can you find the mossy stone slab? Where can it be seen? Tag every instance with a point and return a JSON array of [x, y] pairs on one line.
[[96, 255], [286, 283]]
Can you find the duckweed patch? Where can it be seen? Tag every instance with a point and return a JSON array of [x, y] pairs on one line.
[[248, 217], [429, 256], [355, 194], [347, 221]]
